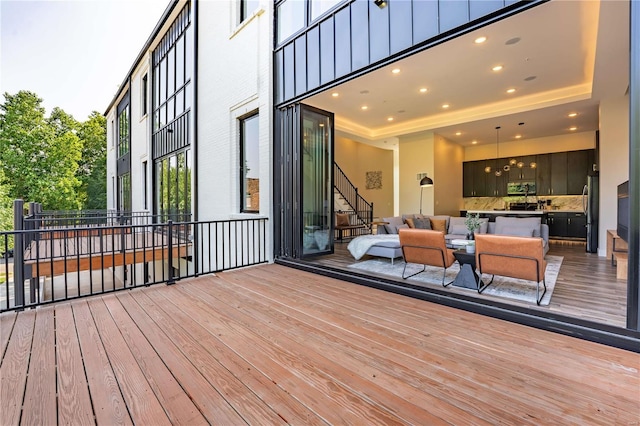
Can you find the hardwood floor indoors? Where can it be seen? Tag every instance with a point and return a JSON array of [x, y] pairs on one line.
[[586, 287]]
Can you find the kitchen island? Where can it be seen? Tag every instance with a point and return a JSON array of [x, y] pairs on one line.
[[492, 214]]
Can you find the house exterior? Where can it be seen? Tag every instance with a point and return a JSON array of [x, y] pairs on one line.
[[227, 113]]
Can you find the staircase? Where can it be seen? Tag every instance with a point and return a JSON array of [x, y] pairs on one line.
[[346, 199]]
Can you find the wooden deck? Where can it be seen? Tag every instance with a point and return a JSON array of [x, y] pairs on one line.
[[274, 345], [97, 249]]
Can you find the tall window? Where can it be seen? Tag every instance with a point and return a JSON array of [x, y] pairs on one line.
[[173, 183], [249, 164], [247, 7], [124, 192], [145, 95], [172, 98], [123, 131]]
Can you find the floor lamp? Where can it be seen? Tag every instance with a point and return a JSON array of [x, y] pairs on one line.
[[424, 182]]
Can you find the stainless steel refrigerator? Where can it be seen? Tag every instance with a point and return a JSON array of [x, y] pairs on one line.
[[590, 205]]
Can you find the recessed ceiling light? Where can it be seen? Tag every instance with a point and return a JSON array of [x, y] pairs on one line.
[[512, 41], [530, 78], [458, 133], [423, 90], [396, 71], [497, 68], [364, 92], [573, 128], [389, 118], [518, 136], [446, 106], [335, 94], [512, 90], [573, 114], [364, 107], [480, 40], [474, 142]]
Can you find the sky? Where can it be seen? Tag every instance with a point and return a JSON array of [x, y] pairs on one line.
[[72, 54]]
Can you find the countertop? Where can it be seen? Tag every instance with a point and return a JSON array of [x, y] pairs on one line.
[[522, 212]]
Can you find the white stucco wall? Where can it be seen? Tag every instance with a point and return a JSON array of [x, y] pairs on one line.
[[614, 162]]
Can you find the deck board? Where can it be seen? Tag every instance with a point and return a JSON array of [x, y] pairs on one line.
[[74, 401], [142, 402], [6, 326], [40, 393], [13, 370], [275, 345], [108, 403]]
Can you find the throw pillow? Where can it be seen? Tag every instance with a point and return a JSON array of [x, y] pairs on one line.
[[458, 229], [404, 226], [422, 223], [392, 226], [409, 222], [342, 219], [484, 225], [439, 225], [517, 231]]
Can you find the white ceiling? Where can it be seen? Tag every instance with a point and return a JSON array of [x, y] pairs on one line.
[[550, 55]]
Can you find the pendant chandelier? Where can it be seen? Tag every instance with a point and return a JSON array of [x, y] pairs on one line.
[[512, 162]]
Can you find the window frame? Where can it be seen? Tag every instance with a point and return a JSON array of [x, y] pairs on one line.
[[255, 114], [144, 81]]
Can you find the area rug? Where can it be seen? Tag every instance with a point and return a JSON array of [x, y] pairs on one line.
[[505, 287]]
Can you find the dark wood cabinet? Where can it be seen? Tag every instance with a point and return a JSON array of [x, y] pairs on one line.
[[525, 172], [557, 224], [576, 225], [543, 174], [496, 186], [473, 179], [578, 167], [558, 173], [564, 224]]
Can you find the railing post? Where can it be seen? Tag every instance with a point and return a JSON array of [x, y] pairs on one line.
[[171, 279], [18, 253]]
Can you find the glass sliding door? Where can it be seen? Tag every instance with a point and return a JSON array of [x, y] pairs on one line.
[[316, 167]]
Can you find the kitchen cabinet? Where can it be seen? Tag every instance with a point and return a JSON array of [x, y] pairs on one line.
[[473, 179], [567, 224], [496, 186], [543, 174], [558, 173], [576, 225], [578, 167], [524, 173], [557, 224]]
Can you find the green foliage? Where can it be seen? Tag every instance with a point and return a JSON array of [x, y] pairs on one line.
[[56, 161], [92, 170], [6, 214]]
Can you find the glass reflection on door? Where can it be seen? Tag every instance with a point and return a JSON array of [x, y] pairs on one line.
[[316, 159]]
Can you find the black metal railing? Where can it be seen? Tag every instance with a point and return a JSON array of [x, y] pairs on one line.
[[362, 209], [62, 263]]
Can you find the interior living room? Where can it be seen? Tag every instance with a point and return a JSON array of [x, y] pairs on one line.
[[508, 120]]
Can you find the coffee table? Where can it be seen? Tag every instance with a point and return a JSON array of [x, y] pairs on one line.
[[467, 276]]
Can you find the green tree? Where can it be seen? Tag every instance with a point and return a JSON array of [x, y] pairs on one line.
[[6, 214], [39, 156], [92, 170]]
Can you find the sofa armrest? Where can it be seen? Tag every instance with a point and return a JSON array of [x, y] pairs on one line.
[[544, 232]]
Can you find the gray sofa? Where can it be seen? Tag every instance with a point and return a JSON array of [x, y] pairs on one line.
[[456, 229]]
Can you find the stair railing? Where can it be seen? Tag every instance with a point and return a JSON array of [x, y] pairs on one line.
[[362, 208]]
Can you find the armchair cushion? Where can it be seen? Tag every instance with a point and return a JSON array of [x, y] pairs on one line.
[[425, 247], [511, 256]]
